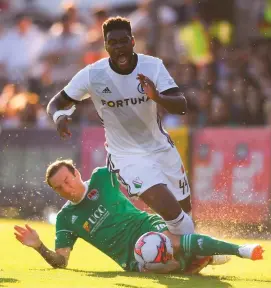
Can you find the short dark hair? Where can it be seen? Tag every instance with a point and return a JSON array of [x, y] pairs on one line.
[[55, 166], [116, 23]]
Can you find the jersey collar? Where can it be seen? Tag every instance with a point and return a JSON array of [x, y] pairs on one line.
[[115, 69], [86, 190]]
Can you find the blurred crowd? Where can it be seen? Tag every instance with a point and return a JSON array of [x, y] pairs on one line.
[[224, 84]]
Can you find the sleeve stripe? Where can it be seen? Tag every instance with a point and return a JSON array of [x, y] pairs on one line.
[[64, 231]]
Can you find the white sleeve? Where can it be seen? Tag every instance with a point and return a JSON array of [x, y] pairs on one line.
[[79, 87], [164, 80]]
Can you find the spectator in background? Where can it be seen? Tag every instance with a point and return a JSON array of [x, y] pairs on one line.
[[71, 12], [141, 23], [61, 53], [206, 76], [3, 72], [204, 108], [94, 48], [20, 49], [254, 106], [220, 115], [20, 108], [201, 58], [188, 77], [237, 100], [168, 47], [194, 35]]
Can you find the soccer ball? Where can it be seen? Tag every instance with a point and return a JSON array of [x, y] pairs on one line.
[[153, 250]]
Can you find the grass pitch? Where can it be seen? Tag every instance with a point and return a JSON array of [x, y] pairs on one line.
[[21, 266]]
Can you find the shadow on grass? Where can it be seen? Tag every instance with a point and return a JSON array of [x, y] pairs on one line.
[[180, 281], [7, 280], [234, 278]]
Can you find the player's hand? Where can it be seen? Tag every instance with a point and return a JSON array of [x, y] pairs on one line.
[[62, 123], [197, 265], [148, 86], [27, 236]]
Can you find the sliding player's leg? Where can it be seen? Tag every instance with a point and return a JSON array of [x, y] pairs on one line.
[[187, 248], [202, 245]]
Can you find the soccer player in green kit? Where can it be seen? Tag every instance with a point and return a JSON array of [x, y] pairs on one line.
[[99, 213]]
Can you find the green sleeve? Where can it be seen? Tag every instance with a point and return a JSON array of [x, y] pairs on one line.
[[65, 237], [102, 175]]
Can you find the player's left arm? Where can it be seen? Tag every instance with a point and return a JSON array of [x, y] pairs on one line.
[[164, 91], [173, 101], [170, 266], [29, 237]]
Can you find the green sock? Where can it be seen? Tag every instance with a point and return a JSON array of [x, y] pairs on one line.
[[201, 245]]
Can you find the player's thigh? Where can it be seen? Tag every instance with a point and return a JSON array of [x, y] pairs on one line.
[[177, 181], [136, 173], [143, 177], [161, 200]]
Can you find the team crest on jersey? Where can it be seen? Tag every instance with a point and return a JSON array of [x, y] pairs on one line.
[[140, 89], [137, 183], [93, 195], [86, 226]]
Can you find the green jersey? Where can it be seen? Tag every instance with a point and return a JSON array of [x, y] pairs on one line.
[[106, 219]]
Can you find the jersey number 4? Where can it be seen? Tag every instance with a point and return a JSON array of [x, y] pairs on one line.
[[183, 184]]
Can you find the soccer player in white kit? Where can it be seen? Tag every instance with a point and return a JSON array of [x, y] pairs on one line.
[[125, 89]]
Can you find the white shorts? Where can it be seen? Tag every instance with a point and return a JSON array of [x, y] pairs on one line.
[[138, 173]]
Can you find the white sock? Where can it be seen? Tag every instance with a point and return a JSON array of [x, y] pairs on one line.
[[183, 224]]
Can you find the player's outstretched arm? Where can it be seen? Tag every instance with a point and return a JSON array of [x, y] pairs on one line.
[[29, 237], [59, 109], [63, 104]]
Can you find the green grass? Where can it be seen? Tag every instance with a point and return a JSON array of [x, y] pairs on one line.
[[21, 266]]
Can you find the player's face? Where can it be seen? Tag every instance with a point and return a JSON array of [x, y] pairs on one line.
[[67, 185], [119, 44]]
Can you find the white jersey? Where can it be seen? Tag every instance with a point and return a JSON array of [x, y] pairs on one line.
[[130, 119]]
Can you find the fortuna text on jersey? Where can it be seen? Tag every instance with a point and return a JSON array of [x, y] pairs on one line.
[[126, 102]]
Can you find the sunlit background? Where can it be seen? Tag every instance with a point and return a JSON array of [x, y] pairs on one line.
[[218, 53]]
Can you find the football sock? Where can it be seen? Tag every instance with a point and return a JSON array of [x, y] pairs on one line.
[[183, 224], [197, 244]]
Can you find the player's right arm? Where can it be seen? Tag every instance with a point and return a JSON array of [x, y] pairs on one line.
[[63, 104], [170, 266], [29, 237]]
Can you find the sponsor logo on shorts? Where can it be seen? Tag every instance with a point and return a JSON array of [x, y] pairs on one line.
[[93, 195], [137, 183]]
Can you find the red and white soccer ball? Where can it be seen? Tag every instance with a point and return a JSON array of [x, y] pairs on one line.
[[153, 250]]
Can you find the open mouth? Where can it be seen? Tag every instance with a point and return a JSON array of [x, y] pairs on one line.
[[122, 59]]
